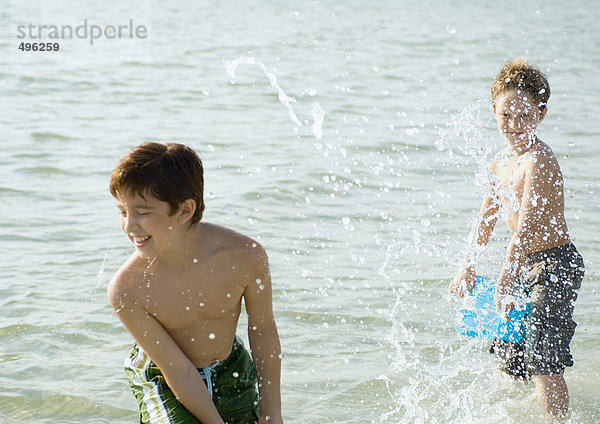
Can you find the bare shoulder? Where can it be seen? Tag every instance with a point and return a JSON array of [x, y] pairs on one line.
[[122, 287], [542, 160], [242, 249]]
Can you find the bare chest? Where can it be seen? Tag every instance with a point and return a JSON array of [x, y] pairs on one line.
[[185, 300], [511, 180], [511, 174]]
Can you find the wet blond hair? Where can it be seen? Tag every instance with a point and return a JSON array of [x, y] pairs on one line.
[[520, 75]]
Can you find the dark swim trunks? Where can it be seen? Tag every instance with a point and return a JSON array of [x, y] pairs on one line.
[[231, 384], [550, 279]]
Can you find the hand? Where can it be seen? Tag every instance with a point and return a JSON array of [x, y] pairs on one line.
[[465, 278], [504, 299]]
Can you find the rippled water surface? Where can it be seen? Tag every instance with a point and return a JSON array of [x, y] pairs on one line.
[[345, 136]]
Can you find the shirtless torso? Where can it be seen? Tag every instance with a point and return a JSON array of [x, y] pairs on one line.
[[532, 197], [197, 301]]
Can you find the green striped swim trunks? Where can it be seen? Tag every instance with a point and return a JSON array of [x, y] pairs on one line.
[[231, 384]]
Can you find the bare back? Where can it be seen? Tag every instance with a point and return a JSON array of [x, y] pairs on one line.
[[532, 197]]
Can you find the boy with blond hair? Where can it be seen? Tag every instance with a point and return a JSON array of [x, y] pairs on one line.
[[541, 262], [180, 294]]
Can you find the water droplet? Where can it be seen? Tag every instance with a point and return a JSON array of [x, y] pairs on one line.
[[212, 336], [235, 374], [187, 308], [195, 260]]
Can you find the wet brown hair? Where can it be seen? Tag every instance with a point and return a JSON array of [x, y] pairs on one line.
[[518, 74], [169, 172]]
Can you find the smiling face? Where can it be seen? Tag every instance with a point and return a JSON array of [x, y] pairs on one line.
[[518, 116], [148, 223]]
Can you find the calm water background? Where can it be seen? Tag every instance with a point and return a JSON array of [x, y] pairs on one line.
[[345, 137]]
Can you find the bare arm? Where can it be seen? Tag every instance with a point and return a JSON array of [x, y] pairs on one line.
[[179, 372], [264, 340], [488, 216]]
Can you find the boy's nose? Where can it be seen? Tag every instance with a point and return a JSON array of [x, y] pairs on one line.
[[129, 225]]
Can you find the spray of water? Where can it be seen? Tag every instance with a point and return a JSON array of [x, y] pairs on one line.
[[476, 143], [467, 132], [441, 382], [101, 271], [317, 112]]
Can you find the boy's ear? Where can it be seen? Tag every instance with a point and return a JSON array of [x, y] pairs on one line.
[[186, 210], [543, 113]]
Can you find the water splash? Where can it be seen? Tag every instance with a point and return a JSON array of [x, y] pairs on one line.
[[318, 115], [469, 126], [445, 382], [101, 271], [467, 130], [317, 112]]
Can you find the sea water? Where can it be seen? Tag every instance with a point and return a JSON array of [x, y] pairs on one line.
[[348, 137]]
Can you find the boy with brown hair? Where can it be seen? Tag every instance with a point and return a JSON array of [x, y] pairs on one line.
[[541, 261], [180, 293]]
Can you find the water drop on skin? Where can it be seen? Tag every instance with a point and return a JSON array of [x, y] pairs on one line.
[[211, 336], [235, 374]]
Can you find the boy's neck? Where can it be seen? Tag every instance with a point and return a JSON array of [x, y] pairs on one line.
[[523, 146], [186, 250]]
